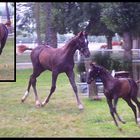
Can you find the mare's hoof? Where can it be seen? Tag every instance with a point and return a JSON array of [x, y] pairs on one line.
[[80, 107], [138, 120], [123, 122], [43, 104], [120, 129], [38, 104], [22, 100]]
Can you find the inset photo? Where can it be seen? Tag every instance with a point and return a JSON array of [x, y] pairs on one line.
[[7, 47]]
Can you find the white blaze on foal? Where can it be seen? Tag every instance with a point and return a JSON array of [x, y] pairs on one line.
[[86, 41]]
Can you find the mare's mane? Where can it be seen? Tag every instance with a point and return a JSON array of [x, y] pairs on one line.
[[70, 41]]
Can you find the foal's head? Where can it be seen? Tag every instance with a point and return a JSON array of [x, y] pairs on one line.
[[82, 44], [94, 72]]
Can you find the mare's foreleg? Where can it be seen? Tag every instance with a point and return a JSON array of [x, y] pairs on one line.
[[71, 77], [53, 87]]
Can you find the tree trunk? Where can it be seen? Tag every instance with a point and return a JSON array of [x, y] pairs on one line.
[[136, 74], [92, 87], [7, 12], [37, 19], [48, 23], [138, 42], [127, 45], [136, 66], [8, 23], [54, 38], [51, 34], [127, 50], [109, 42]]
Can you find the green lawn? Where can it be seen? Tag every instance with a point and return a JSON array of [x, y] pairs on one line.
[[60, 117], [7, 61]]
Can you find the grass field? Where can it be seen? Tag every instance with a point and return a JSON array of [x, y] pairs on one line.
[[7, 61], [60, 117]]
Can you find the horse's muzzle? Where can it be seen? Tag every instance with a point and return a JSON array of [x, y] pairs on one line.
[[89, 81], [87, 53]]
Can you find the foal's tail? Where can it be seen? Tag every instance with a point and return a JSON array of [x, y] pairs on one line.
[[22, 48]]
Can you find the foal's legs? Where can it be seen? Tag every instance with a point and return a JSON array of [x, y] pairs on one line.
[[128, 100], [115, 106], [71, 77], [54, 78], [109, 101], [138, 105]]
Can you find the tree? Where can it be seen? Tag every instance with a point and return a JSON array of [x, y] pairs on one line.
[[7, 11], [37, 21], [25, 17], [124, 19], [51, 33], [92, 11]]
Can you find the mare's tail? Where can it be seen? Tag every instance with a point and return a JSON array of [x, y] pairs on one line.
[[22, 48], [8, 23], [138, 81]]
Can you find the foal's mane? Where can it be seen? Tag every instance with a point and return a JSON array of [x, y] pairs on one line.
[[71, 40], [103, 70]]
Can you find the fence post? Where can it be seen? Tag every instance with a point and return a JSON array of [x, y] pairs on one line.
[[92, 87]]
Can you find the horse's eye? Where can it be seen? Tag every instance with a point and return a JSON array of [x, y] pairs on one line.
[[81, 40]]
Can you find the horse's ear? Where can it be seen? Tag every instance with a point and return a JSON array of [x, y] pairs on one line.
[[85, 33], [80, 34]]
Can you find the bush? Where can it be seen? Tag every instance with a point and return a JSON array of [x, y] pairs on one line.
[[111, 61]]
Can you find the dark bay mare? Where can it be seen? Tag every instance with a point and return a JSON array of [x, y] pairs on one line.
[[3, 36], [57, 60], [115, 88]]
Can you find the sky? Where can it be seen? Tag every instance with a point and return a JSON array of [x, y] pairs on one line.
[[2, 4], [3, 8]]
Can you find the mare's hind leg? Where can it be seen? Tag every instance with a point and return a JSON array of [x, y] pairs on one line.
[[2, 44], [27, 91], [71, 77], [32, 81], [3, 41], [53, 87], [138, 105], [133, 107]]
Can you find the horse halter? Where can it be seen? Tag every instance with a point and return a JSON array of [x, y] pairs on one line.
[[82, 49], [93, 74], [82, 46]]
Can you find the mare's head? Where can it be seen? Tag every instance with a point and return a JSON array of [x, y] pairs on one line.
[[94, 72], [82, 44]]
